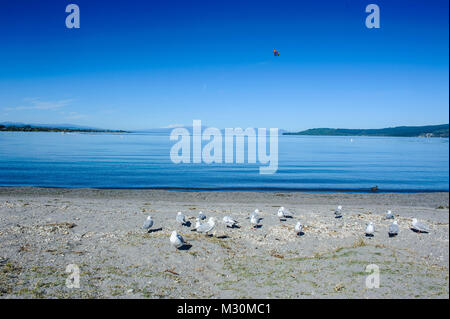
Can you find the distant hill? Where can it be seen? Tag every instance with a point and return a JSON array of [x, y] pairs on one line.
[[20, 127], [399, 131], [62, 125]]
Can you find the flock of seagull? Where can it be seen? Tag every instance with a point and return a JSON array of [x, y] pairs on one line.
[[206, 227]]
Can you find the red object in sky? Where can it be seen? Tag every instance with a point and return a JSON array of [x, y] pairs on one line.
[[275, 53]]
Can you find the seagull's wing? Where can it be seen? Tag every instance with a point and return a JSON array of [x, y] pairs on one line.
[[228, 221], [422, 227], [147, 224], [203, 228], [181, 239]]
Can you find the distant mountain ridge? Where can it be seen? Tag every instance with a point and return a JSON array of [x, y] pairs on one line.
[[399, 131], [21, 127], [60, 126]]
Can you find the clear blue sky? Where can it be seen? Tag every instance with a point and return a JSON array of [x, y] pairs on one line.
[[146, 64]]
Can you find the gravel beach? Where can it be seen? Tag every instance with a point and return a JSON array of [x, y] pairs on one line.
[[42, 231]]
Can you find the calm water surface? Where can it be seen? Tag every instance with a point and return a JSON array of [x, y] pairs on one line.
[[142, 161]]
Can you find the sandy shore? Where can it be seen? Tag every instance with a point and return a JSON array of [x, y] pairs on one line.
[[44, 230]]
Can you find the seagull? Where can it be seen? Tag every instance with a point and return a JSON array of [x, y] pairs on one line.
[[148, 223], [206, 227], [389, 215], [255, 213], [197, 223], [280, 213], [419, 227], [285, 211], [298, 228], [370, 230], [230, 222], [393, 229], [201, 216], [338, 212], [176, 240], [181, 218], [254, 220]]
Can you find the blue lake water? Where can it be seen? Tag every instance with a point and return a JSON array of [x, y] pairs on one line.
[[143, 161]]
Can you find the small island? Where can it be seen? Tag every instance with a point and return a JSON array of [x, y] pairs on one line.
[[30, 128], [399, 131]]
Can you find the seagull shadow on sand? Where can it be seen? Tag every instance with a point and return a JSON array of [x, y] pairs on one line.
[[392, 235], [185, 247], [300, 234], [419, 231], [154, 230], [187, 224]]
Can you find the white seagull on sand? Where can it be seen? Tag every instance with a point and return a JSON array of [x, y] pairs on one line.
[[229, 222], [370, 229], [197, 223], [389, 215], [181, 218], [176, 240], [206, 227], [393, 229], [148, 223], [254, 220], [419, 227], [338, 212], [280, 212], [298, 228]]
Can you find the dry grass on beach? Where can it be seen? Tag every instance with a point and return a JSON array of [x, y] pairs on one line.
[[44, 230]]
